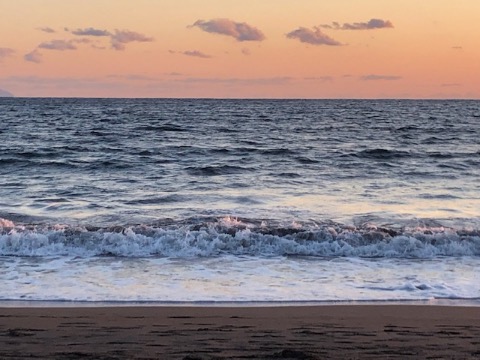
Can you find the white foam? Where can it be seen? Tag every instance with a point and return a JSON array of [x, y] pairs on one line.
[[229, 259], [237, 278], [230, 238]]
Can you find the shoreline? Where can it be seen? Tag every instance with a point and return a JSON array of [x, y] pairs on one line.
[[235, 304], [208, 333]]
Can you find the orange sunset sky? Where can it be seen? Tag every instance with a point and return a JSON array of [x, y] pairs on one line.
[[241, 48]]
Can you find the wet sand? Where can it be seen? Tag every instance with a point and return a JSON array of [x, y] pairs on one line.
[[290, 332]]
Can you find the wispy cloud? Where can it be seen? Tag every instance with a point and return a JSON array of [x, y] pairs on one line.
[[313, 37], [34, 56], [451, 85], [133, 77], [240, 81], [98, 47], [319, 78], [121, 37], [196, 53], [64, 86], [116, 85], [369, 25], [193, 53], [51, 81], [374, 77], [90, 32], [239, 31], [60, 45], [6, 52], [118, 38], [47, 29]]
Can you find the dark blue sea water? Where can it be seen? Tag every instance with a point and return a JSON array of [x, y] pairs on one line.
[[240, 199]]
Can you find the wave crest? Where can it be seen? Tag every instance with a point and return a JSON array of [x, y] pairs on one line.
[[230, 236]]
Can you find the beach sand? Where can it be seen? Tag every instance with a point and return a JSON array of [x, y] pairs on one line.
[[288, 332]]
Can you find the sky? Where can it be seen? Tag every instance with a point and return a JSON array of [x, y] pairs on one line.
[[240, 48]]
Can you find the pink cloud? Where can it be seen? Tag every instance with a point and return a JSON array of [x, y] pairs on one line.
[[320, 78], [121, 37], [60, 45], [90, 32], [196, 53], [314, 37], [374, 77], [239, 31], [118, 38], [6, 52], [369, 25], [47, 30], [34, 56]]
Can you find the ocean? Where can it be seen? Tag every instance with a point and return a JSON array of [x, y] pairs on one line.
[[239, 201]]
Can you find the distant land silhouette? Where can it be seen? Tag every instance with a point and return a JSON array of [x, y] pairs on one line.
[[4, 93]]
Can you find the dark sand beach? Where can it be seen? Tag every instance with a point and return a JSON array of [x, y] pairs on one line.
[[289, 332]]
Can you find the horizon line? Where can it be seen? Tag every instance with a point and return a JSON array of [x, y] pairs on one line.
[[241, 98]]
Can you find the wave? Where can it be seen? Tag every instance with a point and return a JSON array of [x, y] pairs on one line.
[[382, 154], [215, 170], [231, 236], [162, 128]]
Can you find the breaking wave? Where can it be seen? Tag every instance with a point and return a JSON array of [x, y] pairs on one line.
[[231, 236]]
